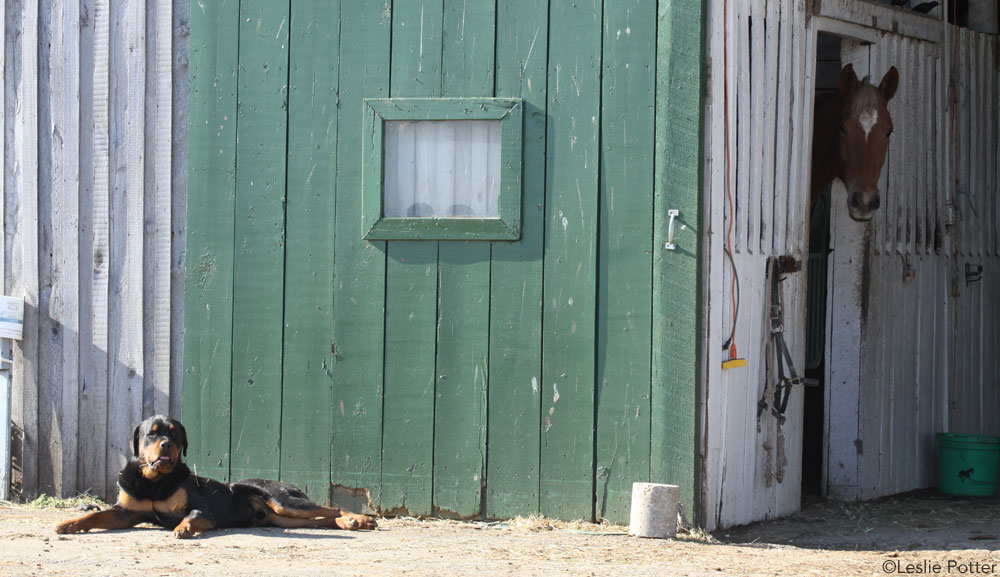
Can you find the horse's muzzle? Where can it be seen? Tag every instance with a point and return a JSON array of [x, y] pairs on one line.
[[862, 206]]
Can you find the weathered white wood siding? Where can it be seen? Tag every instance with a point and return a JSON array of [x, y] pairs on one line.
[[93, 208], [882, 400], [913, 347], [919, 358], [973, 371], [771, 61]]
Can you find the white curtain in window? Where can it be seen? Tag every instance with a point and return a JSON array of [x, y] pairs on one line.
[[442, 168]]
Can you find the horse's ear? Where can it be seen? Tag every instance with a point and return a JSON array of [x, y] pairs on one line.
[[848, 80], [889, 84]]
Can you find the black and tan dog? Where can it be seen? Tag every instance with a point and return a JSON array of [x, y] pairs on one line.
[[157, 487]]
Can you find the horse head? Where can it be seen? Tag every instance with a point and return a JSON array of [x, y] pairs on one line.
[[865, 126]]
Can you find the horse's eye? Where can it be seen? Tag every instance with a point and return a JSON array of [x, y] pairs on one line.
[[843, 128]]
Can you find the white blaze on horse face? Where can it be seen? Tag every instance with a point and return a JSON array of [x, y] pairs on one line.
[[868, 119]]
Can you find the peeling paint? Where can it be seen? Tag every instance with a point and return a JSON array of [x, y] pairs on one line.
[[555, 393], [356, 499], [204, 271], [534, 385]]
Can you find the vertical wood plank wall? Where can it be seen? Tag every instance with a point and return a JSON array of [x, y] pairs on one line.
[[771, 60], [922, 341], [94, 183], [103, 332], [973, 368], [459, 378], [94, 176], [922, 337], [96, 97]]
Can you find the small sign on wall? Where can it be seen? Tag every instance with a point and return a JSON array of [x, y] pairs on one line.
[[11, 317]]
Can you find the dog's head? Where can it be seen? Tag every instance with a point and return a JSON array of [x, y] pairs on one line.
[[157, 444]]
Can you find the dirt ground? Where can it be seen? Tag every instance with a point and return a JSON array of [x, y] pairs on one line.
[[916, 534]]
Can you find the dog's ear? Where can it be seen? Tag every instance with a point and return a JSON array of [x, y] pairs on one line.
[[135, 441], [184, 437]]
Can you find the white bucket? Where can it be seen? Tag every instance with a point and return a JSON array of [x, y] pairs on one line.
[[11, 317]]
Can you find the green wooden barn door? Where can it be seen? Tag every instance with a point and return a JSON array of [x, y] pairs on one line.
[[458, 378]]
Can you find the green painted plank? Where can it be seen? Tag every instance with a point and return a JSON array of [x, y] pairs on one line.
[[462, 374], [359, 268], [514, 399], [625, 254], [444, 228], [410, 292], [474, 107], [468, 37], [463, 292], [260, 226], [680, 81], [568, 339], [306, 414], [208, 298], [407, 438]]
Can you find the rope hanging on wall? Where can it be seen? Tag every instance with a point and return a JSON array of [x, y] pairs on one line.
[[730, 345]]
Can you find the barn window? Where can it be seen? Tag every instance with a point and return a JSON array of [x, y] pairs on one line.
[[440, 168]]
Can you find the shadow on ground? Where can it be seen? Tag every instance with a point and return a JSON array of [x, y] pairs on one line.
[[917, 521]]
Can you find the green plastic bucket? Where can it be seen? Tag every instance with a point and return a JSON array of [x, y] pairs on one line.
[[968, 464]]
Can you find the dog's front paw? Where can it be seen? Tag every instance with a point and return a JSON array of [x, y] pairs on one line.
[[183, 531], [70, 527], [353, 522]]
